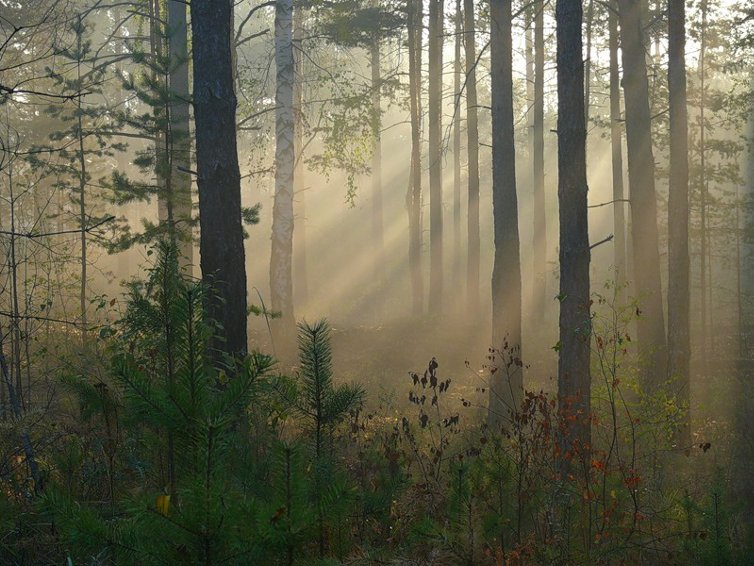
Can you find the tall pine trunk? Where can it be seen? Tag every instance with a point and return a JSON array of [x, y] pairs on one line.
[[457, 280], [703, 190], [679, 290], [414, 195], [506, 382], [300, 267], [616, 147], [434, 110], [574, 379], [281, 260], [650, 324], [472, 149], [538, 165], [221, 247], [378, 234]]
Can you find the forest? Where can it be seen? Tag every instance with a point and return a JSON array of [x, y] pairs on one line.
[[376, 282]]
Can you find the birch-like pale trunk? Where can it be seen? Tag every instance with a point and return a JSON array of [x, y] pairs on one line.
[[179, 156], [281, 259], [300, 264]]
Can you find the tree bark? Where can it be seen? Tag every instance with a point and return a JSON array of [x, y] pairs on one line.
[[434, 110], [180, 146], [300, 267], [574, 379], [472, 149], [619, 208], [703, 190], [538, 165], [650, 323], [378, 234], [414, 195], [281, 261], [457, 280], [679, 289], [506, 382], [221, 246]]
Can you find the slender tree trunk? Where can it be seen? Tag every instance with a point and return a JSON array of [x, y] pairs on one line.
[[650, 324], [15, 306], [703, 242], [162, 115], [434, 110], [529, 63], [506, 383], [281, 266], [221, 246], [457, 279], [300, 267], [588, 62], [679, 290], [472, 149], [378, 235], [414, 195], [574, 378], [538, 165], [180, 146], [82, 205], [616, 146]]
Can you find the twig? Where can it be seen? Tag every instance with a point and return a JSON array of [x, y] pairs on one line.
[[602, 241]]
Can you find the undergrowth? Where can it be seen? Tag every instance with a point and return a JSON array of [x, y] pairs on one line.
[[167, 458]]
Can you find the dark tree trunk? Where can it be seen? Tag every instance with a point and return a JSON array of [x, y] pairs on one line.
[[619, 207], [575, 322], [434, 114], [538, 164], [414, 195], [588, 61], [180, 146], [223, 260], [472, 148], [650, 324], [506, 383], [679, 289]]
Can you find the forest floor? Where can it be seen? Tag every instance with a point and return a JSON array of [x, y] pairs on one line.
[[381, 358]]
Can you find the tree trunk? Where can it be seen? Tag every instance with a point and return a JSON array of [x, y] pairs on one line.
[[221, 247], [378, 235], [457, 282], [300, 267], [180, 147], [678, 211], [506, 383], [281, 261], [574, 378], [538, 165], [588, 62], [434, 111], [472, 149], [703, 247], [650, 324], [414, 195], [619, 208]]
